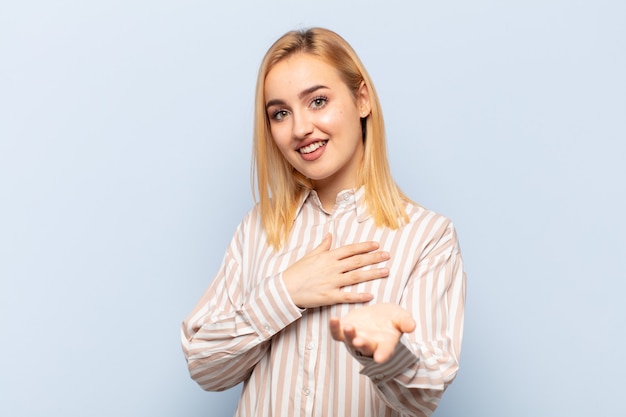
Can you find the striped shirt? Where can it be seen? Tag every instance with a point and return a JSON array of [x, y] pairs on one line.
[[247, 328]]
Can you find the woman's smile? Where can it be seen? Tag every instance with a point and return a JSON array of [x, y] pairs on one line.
[[313, 151]]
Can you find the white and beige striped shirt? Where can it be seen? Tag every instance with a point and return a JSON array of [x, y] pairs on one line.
[[246, 327]]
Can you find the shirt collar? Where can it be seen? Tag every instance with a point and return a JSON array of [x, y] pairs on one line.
[[352, 197]]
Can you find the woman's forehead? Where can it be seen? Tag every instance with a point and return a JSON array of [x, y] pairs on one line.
[[300, 72]]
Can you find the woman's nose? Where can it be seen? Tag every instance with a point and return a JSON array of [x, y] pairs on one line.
[[302, 126]]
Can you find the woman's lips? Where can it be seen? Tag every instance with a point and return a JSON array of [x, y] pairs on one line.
[[313, 151], [312, 147]]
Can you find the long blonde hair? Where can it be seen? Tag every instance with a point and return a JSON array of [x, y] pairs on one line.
[[279, 185]]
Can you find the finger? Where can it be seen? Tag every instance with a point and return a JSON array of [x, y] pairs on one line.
[[361, 345], [365, 346], [335, 329], [358, 261], [345, 297], [349, 333], [353, 249], [404, 323], [352, 298], [356, 277], [384, 350], [324, 246]]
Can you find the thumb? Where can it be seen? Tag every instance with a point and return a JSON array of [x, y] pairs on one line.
[[405, 323], [325, 245]]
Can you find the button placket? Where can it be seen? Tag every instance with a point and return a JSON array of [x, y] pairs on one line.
[[310, 356]]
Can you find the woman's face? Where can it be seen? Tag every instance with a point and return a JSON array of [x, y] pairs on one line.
[[315, 120]]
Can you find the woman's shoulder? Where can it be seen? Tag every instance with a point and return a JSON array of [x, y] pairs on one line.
[[250, 228], [417, 210], [420, 215], [436, 231], [252, 218]]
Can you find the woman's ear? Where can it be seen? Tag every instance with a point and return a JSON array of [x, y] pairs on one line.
[[363, 100]]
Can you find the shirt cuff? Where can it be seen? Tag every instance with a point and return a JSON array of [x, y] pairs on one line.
[[269, 307], [401, 359]]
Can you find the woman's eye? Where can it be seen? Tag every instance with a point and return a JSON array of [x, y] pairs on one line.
[[279, 115], [318, 102]]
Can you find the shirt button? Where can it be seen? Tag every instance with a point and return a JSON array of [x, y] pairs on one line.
[[307, 392], [346, 197], [310, 345], [266, 327]]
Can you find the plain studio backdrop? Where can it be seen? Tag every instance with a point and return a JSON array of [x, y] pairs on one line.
[[125, 150]]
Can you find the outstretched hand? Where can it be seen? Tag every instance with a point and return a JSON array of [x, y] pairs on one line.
[[316, 279], [373, 330]]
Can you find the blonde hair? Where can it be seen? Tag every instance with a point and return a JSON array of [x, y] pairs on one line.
[[279, 185]]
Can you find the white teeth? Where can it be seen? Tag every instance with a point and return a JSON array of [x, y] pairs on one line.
[[310, 148]]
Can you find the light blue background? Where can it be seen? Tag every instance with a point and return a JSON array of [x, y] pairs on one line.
[[125, 135]]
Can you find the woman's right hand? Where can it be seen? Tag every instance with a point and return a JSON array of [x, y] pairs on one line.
[[316, 279]]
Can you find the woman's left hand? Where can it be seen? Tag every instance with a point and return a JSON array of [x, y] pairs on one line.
[[373, 330]]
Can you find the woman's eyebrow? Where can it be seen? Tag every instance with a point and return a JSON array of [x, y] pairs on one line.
[[303, 93], [274, 102], [310, 90]]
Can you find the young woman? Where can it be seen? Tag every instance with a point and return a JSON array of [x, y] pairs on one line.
[[338, 296]]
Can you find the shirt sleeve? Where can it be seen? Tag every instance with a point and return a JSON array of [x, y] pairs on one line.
[[426, 361], [230, 328]]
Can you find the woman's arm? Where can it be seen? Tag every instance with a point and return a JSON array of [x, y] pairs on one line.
[[230, 328], [413, 367]]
